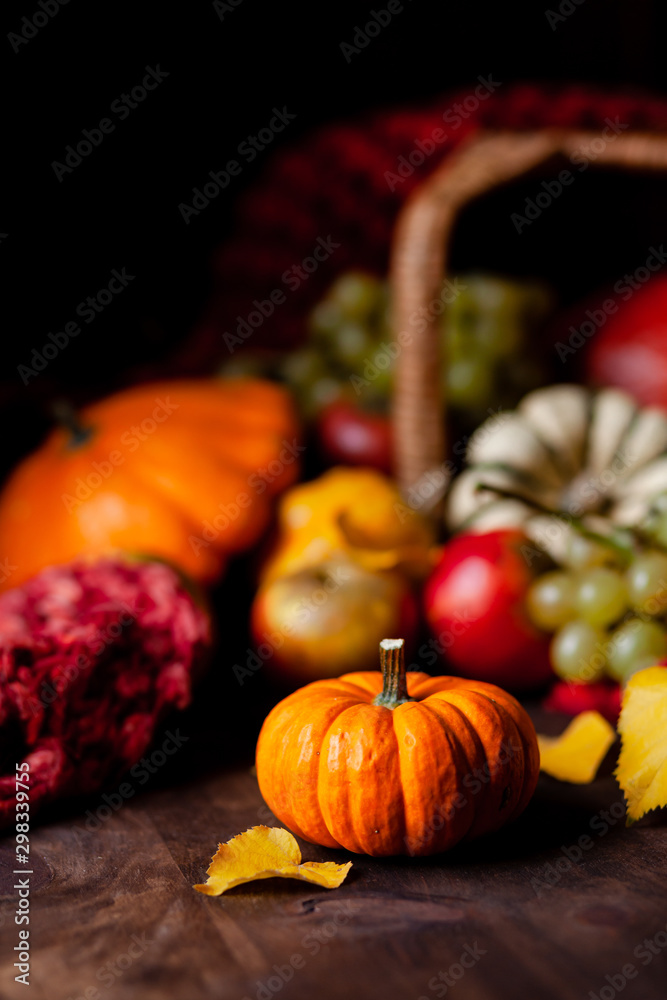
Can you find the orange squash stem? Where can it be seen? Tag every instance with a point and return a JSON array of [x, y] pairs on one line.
[[394, 677]]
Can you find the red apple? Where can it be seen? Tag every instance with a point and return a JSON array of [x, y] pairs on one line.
[[328, 620], [629, 348], [572, 698], [475, 606], [352, 436]]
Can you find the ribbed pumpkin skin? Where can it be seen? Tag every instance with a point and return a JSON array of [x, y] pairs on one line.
[[460, 761], [184, 452]]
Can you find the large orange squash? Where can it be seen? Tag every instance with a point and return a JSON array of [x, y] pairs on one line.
[[182, 470], [396, 763]]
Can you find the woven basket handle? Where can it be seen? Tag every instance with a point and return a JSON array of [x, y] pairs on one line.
[[419, 261]]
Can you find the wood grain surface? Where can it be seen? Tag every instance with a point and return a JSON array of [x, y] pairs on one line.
[[526, 913]]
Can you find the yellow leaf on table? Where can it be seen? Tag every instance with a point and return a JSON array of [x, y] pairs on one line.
[[266, 852], [642, 763], [577, 753]]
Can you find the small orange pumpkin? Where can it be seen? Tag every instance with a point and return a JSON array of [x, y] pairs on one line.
[[181, 470], [394, 763]]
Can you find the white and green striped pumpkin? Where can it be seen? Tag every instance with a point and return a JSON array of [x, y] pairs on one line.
[[567, 452]]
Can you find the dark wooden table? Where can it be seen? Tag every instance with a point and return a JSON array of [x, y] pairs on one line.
[[534, 912]]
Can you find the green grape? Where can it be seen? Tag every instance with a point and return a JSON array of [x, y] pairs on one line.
[[500, 324], [632, 644], [584, 553], [469, 382], [499, 334], [303, 366], [457, 329], [659, 503], [325, 319], [647, 583], [322, 392], [358, 295], [578, 652], [308, 375], [252, 364], [550, 600], [495, 314], [377, 394], [383, 317], [659, 529], [352, 345], [601, 596], [655, 522], [455, 346], [640, 664]]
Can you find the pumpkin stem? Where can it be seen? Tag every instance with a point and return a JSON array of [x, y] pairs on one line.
[[68, 418], [395, 680]]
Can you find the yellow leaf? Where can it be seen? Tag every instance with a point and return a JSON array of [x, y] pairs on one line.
[[577, 753], [642, 764], [266, 852]]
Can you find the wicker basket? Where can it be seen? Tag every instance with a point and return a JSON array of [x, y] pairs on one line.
[[420, 254]]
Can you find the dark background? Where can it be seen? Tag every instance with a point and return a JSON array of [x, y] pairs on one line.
[[119, 207]]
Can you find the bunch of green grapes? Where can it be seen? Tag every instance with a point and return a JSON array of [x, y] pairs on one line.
[[608, 612], [486, 322], [487, 333], [346, 330]]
